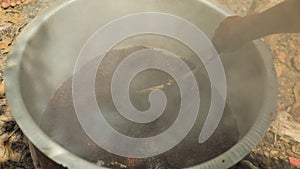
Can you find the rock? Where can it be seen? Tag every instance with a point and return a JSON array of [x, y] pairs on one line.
[[2, 91], [273, 153], [296, 63], [296, 149], [296, 105], [279, 70], [266, 153], [288, 109], [5, 43], [282, 57], [100, 163]]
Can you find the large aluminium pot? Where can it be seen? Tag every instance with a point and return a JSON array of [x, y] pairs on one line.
[[45, 54]]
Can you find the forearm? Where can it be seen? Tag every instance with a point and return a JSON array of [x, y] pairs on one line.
[[283, 18]]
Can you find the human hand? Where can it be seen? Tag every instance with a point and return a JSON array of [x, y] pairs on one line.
[[229, 35]]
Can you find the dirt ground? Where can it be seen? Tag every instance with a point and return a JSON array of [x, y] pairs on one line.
[[280, 147]]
